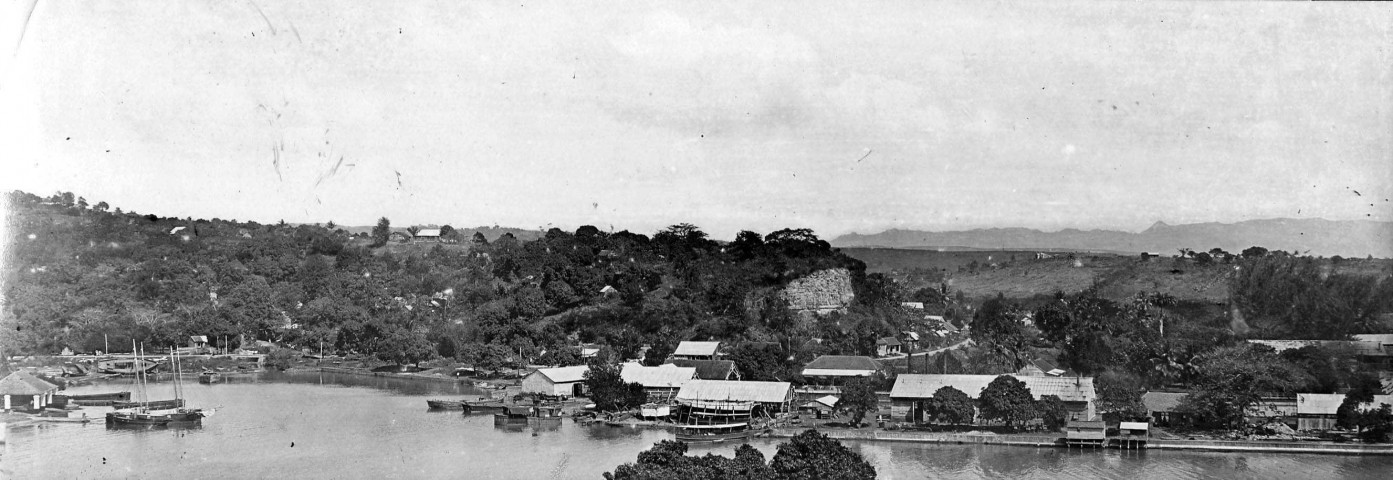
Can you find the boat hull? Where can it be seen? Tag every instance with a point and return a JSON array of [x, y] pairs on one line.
[[445, 404], [155, 405]]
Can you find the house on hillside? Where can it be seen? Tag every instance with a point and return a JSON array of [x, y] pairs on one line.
[[689, 350], [711, 369], [911, 391], [661, 383], [399, 237], [910, 340], [21, 390], [828, 373], [913, 305], [887, 346], [1317, 411], [428, 234], [559, 381]]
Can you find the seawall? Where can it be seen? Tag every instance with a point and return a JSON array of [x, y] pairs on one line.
[[1057, 441]]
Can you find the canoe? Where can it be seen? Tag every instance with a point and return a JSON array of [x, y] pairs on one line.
[[445, 404]]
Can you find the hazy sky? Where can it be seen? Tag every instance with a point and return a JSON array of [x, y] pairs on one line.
[[836, 116]]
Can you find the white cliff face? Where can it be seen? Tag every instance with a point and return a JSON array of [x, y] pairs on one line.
[[822, 292]]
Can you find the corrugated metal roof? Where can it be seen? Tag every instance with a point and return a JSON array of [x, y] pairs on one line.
[[663, 376], [842, 362], [888, 341], [1329, 403], [428, 232], [1069, 389], [763, 392], [22, 383], [1162, 401], [565, 374], [697, 348], [709, 369]]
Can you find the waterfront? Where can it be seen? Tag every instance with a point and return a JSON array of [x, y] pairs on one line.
[[314, 425]]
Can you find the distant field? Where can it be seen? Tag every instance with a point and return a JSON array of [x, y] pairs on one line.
[[884, 260], [1019, 275]]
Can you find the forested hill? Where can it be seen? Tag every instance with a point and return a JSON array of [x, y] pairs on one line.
[[78, 275], [1307, 236]]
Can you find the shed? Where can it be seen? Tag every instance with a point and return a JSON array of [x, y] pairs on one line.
[[1077, 393], [661, 382], [827, 373], [23, 391], [1086, 433], [772, 396], [820, 406], [711, 369], [1161, 407], [559, 381], [428, 234], [1317, 411], [689, 350]]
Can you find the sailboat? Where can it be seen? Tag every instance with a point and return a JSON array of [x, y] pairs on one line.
[[144, 415]]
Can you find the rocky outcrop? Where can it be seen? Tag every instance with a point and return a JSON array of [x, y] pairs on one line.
[[821, 292]]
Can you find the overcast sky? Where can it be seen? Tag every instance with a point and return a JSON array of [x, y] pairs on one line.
[[837, 117]]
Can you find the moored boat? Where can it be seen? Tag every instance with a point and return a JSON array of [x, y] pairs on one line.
[[154, 404], [127, 366], [209, 377], [713, 420], [445, 404]]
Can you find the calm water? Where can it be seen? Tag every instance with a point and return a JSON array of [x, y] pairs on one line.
[[312, 425]]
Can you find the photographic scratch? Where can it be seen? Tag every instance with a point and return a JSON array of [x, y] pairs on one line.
[[863, 157], [399, 186], [263, 16], [24, 28], [334, 170], [276, 162], [294, 31]]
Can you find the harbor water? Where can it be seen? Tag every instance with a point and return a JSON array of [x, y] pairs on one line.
[[322, 425]]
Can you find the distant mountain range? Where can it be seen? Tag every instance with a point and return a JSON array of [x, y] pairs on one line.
[[1350, 238]]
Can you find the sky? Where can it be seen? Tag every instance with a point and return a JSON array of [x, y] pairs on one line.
[[840, 117]]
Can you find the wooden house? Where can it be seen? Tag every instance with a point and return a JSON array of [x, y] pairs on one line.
[[887, 346], [828, 373], [1086, 433], [910, 392], [1161, 406], [1317, 411]]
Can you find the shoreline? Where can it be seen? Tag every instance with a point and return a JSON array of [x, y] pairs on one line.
[[1039, 441]]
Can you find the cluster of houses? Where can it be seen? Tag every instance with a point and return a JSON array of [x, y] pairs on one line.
[[695, 372]]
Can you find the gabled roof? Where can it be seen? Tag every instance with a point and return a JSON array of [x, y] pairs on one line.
[[22, 383], [564, 374], [709, 369], [725, 390], [829, 401], [199, 338], [696, 348], [841, 366], [1069, 389], [663, 376], [428, 232], [1162, 401], [890, 341], [1329, 403]]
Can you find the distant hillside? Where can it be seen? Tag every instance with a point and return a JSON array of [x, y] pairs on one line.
[[1319, 237]]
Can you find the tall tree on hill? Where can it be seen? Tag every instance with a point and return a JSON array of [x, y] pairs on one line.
[[996, 327], [381, 232]]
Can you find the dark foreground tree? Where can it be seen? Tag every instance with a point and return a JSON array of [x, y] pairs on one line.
[[381, 232], [858, 398], [812, 455], [1052, 412]]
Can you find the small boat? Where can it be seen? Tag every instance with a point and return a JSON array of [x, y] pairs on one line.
[[714, 433], [127, 366], [445, 404], [209, 377], [484, 406], [154, 414], [82, 419]]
